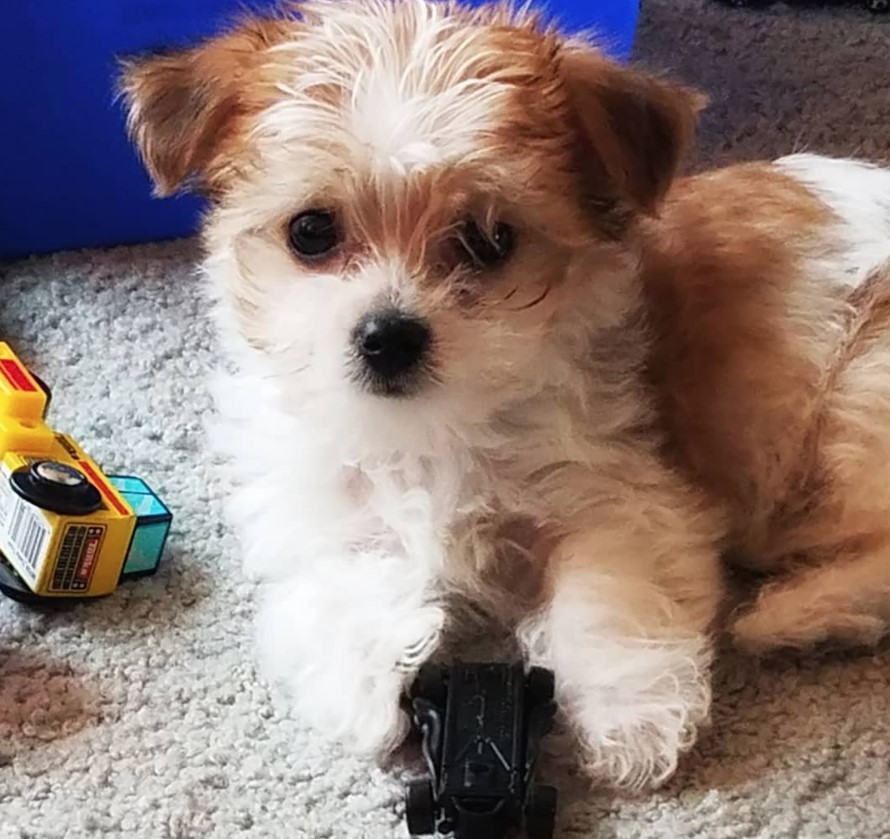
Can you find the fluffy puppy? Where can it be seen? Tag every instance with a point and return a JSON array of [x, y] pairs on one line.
[[487, 345]]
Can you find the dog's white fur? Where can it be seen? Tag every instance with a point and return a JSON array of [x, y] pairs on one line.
[[365, 516], [364, 534]]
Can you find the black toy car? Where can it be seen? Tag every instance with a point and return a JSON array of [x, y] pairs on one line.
[[481, 725]]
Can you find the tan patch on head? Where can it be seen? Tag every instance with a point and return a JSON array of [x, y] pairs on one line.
[[390, 88], [483, 96], [416, 90], [403, 120]]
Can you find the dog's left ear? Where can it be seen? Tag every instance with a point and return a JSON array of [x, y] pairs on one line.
[[634, 128]]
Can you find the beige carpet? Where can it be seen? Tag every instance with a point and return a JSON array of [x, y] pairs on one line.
[[141, 716]]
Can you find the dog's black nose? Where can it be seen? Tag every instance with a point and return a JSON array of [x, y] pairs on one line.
[[391, 344]]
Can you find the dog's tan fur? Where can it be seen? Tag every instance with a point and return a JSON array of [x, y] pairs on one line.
[[753, 362], [663, 370]]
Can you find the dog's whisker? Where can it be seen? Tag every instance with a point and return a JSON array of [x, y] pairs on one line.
[[539, 299], [287, 372]]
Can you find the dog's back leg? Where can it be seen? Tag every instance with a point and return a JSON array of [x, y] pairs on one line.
[[847, 600], [832, 539]]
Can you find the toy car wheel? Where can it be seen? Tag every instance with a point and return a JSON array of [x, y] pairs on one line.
[[431, 684], [540, 813], [420, 807], [57, 487], [540, 687]]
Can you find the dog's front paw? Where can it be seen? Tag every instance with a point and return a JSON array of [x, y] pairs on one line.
[[352, 703], [635, 704], [636, 725], [346, 665], [637, 748]]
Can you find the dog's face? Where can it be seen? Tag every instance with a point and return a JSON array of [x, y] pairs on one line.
[[407, 196]]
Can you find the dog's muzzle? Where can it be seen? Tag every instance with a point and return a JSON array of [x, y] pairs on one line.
[[392, 351]]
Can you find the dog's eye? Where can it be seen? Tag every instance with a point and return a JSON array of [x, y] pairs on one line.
[[484, 248], [313, 234]]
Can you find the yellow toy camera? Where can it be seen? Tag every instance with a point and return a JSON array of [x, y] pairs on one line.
[[67, 530]]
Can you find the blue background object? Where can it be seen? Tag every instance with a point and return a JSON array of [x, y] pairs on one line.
[[68, 176]]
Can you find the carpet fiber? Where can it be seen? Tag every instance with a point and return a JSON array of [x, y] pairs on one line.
[[141, 715]]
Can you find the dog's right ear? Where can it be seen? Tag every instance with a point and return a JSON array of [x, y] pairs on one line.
[[183, 108]]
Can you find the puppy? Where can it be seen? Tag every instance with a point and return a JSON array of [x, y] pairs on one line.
[[487, 346]]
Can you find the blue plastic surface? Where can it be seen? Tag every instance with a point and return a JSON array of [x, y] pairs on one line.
[[153, 521], [68, 177], [147, 548]]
